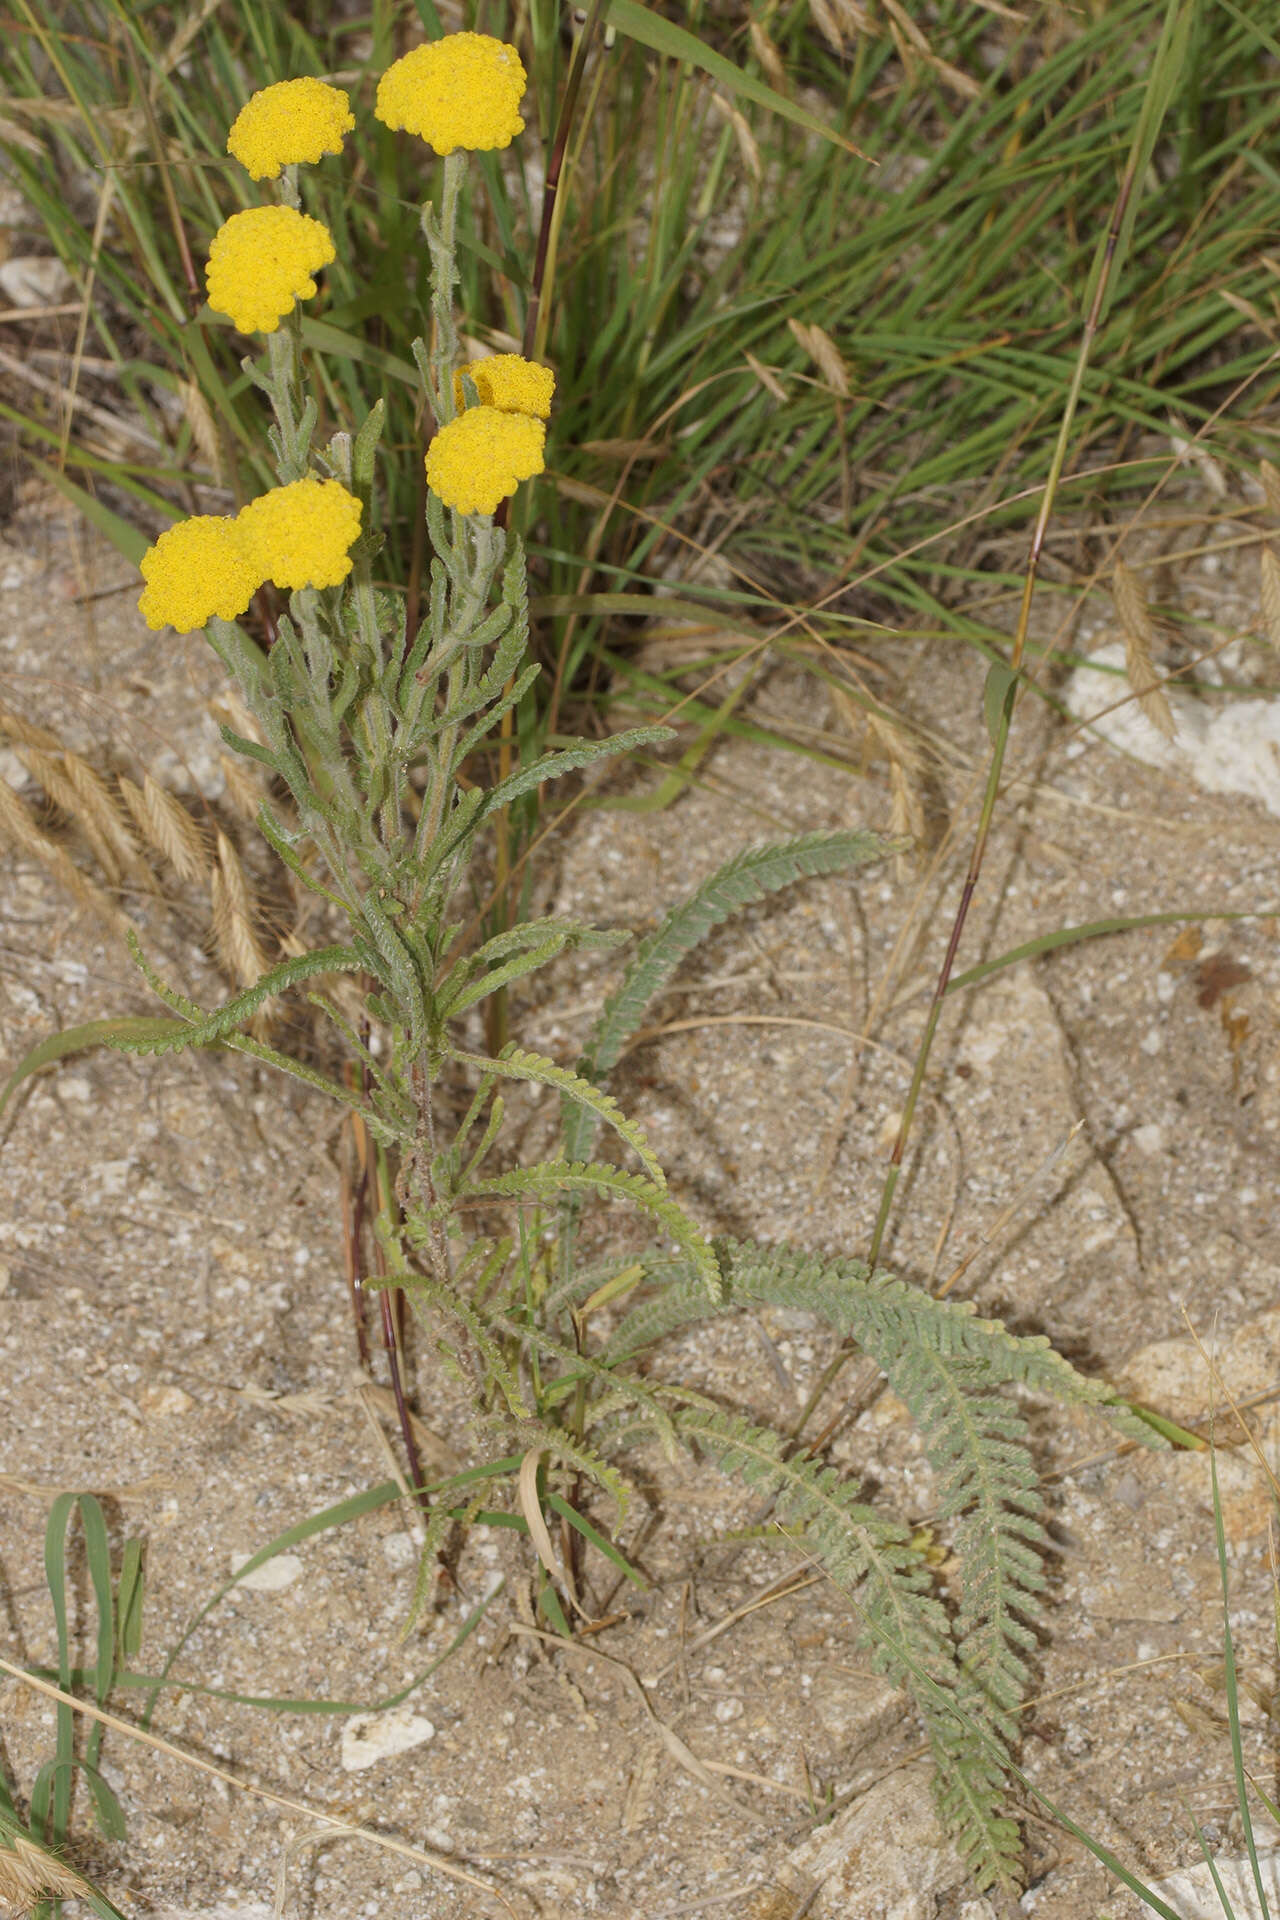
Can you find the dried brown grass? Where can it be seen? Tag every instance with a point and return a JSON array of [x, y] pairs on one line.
[[29, 1874], [19, 827], [1139, 633], [166, 826]]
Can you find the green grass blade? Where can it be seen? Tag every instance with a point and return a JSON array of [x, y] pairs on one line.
[[1096, 930], [663, 36]]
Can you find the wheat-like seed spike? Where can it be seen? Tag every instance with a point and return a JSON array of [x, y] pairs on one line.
[[747, 148], [836, 18], [1270, 478], [235, 938], [1270, 571], [25, 733], [99, 805], [17, 825], [173, 832], [29, 1875], [244, 790], [51, 772], [768, 56], [1139, 637], [204, 431], [825, 354]]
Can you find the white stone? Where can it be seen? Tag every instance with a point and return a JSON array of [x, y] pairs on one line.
[[161, 1402], [1234, 748], [229, 1907], [1149, 1139], [1193, 1895], [368, 1738], [399, 1549], [272, 1576], [34, 280], [886, 1858]]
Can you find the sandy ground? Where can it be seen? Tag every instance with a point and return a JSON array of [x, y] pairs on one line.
[[177, 1340]]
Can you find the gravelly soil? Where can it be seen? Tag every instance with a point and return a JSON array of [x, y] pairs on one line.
[[177, 1340]]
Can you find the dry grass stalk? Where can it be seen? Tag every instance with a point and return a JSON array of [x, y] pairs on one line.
[[244, 789], [1139, 638], [838, 20], [50, 771], [742, 133], [165, 824], [98, 804], [198, 415], [235, 937], [906, 796], [824, 353], [18, 827], [767, 54], [765, 375], [1270, 478], [1270, 585], [23, 733], [29, 1875]]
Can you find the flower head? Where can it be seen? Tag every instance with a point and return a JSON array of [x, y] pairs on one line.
[[198, 568], [261, 262], [295, 120], [509, 383], [299, 535], [462, 91], [483, 455]]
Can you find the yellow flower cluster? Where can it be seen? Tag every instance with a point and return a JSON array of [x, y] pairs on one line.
[[294, 121], [261, 263], [195, 570], [482, 456], [462, 91], [298, 536], [511, 384]]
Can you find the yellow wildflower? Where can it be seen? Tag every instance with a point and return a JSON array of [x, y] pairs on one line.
[[462, 91], [299, 535], [198, 568], [261, 263], [295, 120], [509, 383], [483, 455]]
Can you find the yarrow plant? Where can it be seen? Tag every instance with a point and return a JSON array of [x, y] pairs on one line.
[[372, 733]]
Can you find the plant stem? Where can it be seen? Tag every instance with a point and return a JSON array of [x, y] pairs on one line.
[[1000, 741], [535, 331]]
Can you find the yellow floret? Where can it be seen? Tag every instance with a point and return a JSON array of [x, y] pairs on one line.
[[291, 122], [299, 535], [261, 263], [482, 456], [197, 569], [462, 91], [509, 383]]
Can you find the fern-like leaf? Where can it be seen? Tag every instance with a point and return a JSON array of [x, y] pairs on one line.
[[552, 1178], [448, 1302], [210, 1028], [513, 1063], [748, 877], [906, 1630]]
